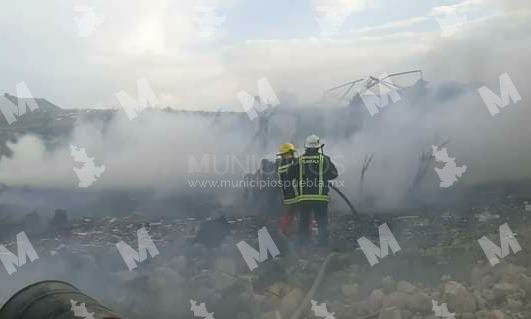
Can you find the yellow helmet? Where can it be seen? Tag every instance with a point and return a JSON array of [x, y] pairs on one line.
[[286, 148]]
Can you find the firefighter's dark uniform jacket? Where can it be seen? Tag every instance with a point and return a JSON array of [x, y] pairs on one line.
[[287, 181], [313, 170]]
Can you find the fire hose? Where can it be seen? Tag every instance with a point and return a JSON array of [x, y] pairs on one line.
[[53, 299], [345, 198]]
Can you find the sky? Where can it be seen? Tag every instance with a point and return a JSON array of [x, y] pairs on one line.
[[63, 60]]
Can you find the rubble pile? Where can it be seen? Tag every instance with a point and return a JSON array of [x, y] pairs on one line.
[[440, 262], [491, 293]]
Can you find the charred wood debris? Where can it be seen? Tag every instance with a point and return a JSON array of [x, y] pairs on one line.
[[440, 259]]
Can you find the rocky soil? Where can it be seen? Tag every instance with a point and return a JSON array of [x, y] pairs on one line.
[[440, 261]]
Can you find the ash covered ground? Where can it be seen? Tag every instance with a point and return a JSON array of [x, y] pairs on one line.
[[461, 71], [440, 259], [147, 185]]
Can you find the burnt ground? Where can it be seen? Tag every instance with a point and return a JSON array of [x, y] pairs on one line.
[[440, 259]]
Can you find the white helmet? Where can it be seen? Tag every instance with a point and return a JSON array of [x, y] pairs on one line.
[[312, 141]]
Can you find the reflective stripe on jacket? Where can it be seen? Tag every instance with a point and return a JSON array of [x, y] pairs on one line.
[[288, 183], [311, 178]]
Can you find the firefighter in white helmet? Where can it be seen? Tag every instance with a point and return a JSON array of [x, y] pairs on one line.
[[313, 170]]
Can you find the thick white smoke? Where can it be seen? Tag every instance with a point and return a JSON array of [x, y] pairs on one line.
[[151, 151], [154, 150]]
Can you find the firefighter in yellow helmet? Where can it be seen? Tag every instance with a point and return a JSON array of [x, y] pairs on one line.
[[313, 171], [287, 181]]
